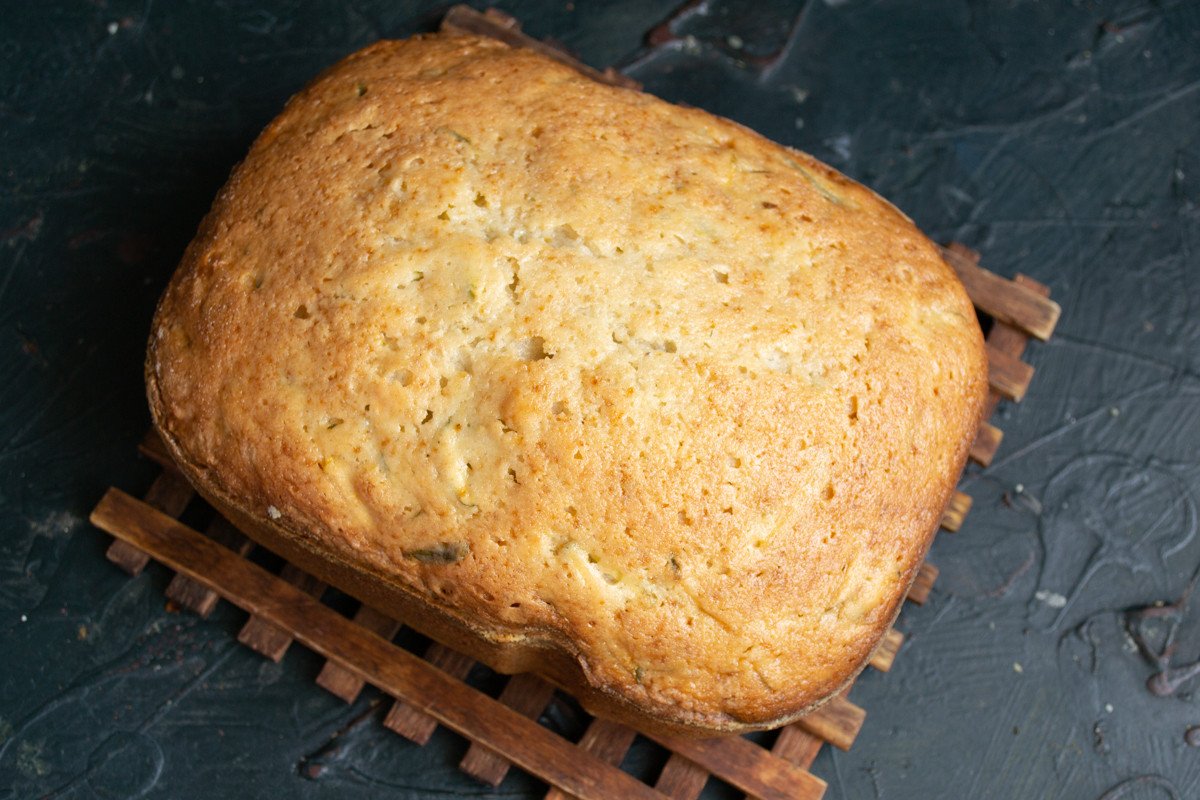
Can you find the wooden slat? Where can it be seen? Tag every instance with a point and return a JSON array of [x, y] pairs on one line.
[[408, 720], [837, 722], [392, 669], [151, 446], [127, 557], [268, 639], [528, 695], [1008, 375], [170, 494], [681, 778], [1006, 301], [608, 741], [987, 442], [746, 766], [956, 511], [196, 597], [498, 25], [795, 746], [923, 583], [341, 681], [1005, 338], [885, 653]]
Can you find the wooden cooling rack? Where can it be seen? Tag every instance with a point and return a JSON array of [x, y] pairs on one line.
[[430, 689]]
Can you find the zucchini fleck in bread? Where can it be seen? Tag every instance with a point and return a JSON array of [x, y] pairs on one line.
[[573, 379]]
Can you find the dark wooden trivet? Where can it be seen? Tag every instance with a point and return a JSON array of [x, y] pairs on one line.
[[431, 690]]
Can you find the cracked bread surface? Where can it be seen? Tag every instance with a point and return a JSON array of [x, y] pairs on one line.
[[569, 365]]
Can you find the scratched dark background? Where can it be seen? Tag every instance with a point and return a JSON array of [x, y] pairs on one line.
[[1060, 139]]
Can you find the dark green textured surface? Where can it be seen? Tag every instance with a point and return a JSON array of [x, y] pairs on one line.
[[1060, 139]]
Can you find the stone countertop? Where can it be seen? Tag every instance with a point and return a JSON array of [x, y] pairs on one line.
[[1059, 139]]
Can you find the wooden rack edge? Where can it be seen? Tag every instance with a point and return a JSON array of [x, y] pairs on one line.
[[404, 675]]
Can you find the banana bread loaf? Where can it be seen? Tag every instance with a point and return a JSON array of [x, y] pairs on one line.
[[574, 379]]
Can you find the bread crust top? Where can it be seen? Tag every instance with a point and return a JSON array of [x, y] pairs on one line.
[[572, 364]]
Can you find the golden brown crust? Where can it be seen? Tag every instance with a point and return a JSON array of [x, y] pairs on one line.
[[590, 384]]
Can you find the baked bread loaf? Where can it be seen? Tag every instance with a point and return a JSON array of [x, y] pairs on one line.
[[573, 379]]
